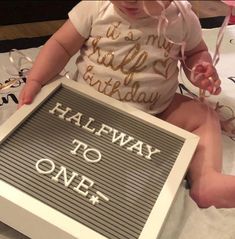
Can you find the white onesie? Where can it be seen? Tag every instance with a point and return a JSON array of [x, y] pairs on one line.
[[126, 59]]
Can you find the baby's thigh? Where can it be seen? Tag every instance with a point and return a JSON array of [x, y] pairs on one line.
[[187, 113]]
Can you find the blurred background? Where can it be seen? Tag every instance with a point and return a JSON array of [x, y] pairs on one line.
[[24, 18]]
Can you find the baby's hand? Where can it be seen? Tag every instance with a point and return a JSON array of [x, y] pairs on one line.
[[29, 92], [205, 77]]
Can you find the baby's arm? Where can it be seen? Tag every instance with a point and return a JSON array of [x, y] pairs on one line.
[[199, 69], [51, 60]]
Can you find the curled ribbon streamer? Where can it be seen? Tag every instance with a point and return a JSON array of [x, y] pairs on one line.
[[230, 3], [220, 36], [18, 64], [163, 23]]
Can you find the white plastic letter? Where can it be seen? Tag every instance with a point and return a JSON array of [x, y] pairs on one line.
[[79, 144], [138, 146], [48, 161], [85, 183], [104, 129], [120, 137], [94, 151], [61, 111], [77, 118], [63, 171], [150, 151], [86, 127]]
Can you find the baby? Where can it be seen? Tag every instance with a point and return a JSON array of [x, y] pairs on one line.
[[129, 50]]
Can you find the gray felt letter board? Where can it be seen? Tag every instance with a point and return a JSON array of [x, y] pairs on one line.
[[78, 164]]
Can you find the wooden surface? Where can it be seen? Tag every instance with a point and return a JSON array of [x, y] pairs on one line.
[[211, 8], [34, 29], [203, 9]]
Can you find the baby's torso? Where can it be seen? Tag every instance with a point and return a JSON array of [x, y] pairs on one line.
[[130, 62]]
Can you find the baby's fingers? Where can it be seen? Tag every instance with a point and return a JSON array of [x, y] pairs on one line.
[[204, 84], [28, 93], [215, 88]]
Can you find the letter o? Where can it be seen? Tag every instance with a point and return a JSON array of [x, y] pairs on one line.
[[52, 165], [90, 160]]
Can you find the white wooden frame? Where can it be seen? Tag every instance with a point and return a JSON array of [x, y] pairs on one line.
[[37, 220]]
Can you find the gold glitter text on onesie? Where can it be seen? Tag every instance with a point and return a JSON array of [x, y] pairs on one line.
[[126, 87]]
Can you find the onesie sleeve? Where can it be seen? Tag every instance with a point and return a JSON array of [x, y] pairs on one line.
[[83, 15], [194, 30]]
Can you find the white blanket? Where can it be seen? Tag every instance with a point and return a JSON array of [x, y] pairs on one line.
[[185, 219]]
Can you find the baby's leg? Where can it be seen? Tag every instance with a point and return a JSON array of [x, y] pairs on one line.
[[208, 185]]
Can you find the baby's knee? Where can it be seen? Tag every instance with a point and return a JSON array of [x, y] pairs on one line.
[[202, 196]]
